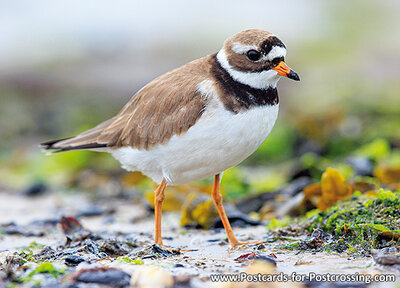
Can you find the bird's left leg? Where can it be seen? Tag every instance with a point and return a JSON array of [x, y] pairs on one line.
[[217, 197]]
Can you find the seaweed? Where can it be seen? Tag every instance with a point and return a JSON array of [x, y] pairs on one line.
[[360, 223]]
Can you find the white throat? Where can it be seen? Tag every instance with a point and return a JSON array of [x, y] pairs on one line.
[[258, 80]]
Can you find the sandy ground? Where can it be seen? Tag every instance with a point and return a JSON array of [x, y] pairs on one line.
[[212, 254]]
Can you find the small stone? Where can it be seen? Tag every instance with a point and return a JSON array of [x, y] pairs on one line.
[[256, 256], [104, 275], [152, 277], [73, 260], [386, 257], [90, 211], [261, 267], [35, 190], [255, 202], [90, 246], [182, 280], [178, 265], [362, 166], [114, 248], [237, 220]]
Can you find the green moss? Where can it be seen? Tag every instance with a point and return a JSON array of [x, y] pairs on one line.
[[376, 149], [278, 223], [28, 256], [386, 195], [43, 268], [134, 261], [32, 246], [47, 268], [359, 222]]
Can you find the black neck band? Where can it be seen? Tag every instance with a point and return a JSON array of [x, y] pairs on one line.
[[245, 96]]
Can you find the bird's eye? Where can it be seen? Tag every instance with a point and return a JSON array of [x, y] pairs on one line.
[[253, 55]]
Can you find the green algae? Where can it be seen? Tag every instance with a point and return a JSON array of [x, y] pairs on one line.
[[275, 223], [128, 260], [47, 268], [360, 223]]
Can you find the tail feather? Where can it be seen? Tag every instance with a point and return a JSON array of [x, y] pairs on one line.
[[83, 141], [49, 144], [57, 146]]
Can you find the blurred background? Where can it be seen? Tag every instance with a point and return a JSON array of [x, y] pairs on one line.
[[65, 66]]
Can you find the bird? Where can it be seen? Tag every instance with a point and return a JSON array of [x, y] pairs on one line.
[[197, 120]]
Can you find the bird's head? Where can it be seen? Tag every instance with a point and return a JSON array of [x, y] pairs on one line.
[[256, 58]]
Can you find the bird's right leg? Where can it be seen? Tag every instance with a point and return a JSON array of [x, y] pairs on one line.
[[158, 200]]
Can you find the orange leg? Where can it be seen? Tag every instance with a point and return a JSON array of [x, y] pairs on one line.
[[158, 199], [217, 197]]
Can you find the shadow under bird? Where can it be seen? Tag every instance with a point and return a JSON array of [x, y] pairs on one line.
[[196, 121]]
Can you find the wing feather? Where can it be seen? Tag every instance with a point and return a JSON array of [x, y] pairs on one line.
[[167, 106]]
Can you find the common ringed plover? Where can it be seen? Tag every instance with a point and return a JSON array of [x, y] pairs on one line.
[[197, 120]]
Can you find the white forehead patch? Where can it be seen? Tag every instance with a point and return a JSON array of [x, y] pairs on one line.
[[258, 80], [241, 48], [276, 51]]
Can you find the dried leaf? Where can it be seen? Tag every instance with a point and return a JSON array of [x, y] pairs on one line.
[[334, 188], [248, 256], [312, 193], [70, 224], [173, 199], [199, 210]]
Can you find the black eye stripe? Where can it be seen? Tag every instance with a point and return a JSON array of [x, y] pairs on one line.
[[268, 44]]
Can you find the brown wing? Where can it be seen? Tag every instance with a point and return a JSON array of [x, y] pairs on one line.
[[167, 106]]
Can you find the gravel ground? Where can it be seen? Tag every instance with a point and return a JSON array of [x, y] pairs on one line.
[[122, 230]]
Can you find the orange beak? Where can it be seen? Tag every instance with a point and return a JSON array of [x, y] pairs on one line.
[[284, 70]]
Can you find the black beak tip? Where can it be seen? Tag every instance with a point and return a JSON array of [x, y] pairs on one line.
[[293, 75]]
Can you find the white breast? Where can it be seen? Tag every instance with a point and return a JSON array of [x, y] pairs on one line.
[[219, 140]]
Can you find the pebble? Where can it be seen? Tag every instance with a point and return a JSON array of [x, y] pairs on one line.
[[152, 277], [90, 211], [73, 260], [362, 166], [35, 189], [106, 276], [236, 220], [255, 202], [256, 256], [386, 257]]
